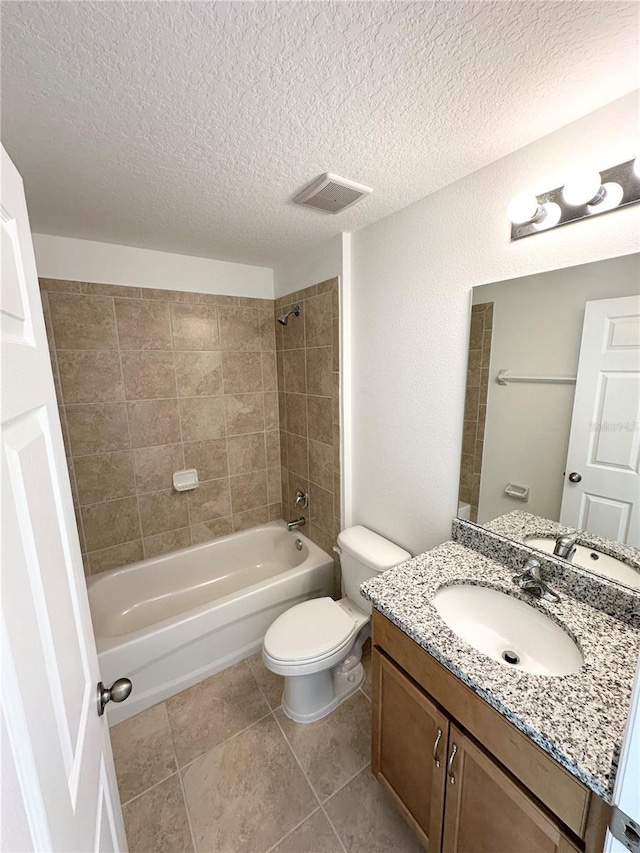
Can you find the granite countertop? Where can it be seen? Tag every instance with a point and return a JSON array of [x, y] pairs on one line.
[[578, 719], [518, 525]]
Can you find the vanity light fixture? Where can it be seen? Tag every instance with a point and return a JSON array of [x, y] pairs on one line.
[[525, 208], [587, 188], [584, 194], [583, 188]]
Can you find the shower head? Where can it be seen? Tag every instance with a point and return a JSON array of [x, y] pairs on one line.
[[285, 317]]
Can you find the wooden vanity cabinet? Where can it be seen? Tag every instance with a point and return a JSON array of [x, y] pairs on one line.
[[499, 793], [486, 811], [405, 717]]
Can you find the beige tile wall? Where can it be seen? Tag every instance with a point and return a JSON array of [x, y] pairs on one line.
[[152, 381], [308, 382], [475, 412]]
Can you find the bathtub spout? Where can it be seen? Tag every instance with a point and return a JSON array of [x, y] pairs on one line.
[[293, 525]]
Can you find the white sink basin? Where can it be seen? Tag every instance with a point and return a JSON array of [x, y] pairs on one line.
[[507, 630], [601, 564]]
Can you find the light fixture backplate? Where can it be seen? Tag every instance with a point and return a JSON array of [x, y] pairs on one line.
[[621, 174]]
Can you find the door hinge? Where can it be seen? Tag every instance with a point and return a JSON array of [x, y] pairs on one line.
[[625, 829]]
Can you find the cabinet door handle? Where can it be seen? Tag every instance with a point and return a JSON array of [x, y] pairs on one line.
[[436, 760], [450, 772]]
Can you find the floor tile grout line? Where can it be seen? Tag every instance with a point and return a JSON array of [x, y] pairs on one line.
[[150, 788], [179, 772], [183, 767], [348, 781], [326, 814], [173, 744], [321, 804], [293, 752], [335, 831], [313, 790], [260, 688], [171, 735], [187, 811], [291, 831], [226, 740], [173, 747]]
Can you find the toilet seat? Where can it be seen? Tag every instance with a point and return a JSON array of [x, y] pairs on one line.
[[309, 633]]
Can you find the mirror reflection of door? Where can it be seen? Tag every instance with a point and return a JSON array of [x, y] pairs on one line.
[[602, 488], [518, 433]]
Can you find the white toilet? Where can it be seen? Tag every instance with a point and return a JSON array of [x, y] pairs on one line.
[[317, 645]]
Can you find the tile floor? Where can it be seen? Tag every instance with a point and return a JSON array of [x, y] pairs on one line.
[[220, 769]]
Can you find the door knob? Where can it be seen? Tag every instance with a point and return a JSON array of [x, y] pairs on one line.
[[574, 477], [118, 692]]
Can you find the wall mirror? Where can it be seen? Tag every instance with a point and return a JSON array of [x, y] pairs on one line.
[[552, 410]]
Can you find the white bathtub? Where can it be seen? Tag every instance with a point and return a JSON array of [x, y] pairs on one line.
[[168, 622]]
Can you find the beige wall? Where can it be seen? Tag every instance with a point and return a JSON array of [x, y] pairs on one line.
[[152, 381], [308, 380]]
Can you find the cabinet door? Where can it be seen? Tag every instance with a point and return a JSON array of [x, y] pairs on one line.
[[409, 750], [486, 811]]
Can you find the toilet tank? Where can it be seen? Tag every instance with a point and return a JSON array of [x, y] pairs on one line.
[[364, 554]]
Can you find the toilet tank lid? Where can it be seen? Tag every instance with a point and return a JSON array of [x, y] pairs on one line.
[[370, 548]]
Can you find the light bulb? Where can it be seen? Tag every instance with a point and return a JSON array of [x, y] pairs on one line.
[[612, 198], [552, 215], [583, 188], [524, 208]]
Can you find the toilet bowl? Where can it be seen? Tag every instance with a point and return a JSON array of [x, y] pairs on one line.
[[317, 645]]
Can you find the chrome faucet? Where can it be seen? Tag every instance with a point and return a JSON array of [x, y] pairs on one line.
[[293, 525], [566, 545], [530, 581]]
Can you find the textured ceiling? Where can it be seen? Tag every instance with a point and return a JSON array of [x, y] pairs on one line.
[[188, 126]]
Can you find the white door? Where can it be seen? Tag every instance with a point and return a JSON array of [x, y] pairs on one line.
[[58, 781], [601, 491]]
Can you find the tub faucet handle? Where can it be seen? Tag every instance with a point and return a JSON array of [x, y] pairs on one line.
[[302, 499]]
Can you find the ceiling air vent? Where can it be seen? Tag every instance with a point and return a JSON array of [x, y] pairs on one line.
[[332, 193]]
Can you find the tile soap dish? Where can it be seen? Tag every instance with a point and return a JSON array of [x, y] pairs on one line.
[[518, 491], [185, 480]]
